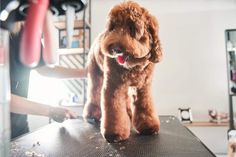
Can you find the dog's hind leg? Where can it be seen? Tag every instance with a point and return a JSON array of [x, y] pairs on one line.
[[145, 120], [92, 108]]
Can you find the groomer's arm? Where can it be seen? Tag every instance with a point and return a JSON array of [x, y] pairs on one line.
[[62, 72], [22, 105]]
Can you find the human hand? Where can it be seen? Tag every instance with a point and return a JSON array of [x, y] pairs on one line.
[[59, 114]]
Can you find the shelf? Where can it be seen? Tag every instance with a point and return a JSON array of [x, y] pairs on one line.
[[78, 24], [206, 124], [65, 51]]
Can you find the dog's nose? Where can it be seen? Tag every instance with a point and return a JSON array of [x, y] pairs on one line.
[[117, 49]]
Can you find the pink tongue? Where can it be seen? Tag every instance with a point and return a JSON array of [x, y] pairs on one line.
[[120, 59]]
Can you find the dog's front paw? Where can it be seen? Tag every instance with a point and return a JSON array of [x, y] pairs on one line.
[[92, 112], [111, 138], [147, 126], [115, 132], [116, 137]]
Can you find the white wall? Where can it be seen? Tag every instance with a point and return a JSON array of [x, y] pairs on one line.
[[193, 71]]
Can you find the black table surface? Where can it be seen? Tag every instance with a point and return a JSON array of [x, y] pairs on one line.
[[76, 138]]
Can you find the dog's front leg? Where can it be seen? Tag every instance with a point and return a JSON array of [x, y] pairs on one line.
[[115, 122], [145, 119], [95, 79]]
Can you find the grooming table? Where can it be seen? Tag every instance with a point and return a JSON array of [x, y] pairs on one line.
[[76, 138]]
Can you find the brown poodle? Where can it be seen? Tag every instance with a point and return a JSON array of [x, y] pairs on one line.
[[120, 69]]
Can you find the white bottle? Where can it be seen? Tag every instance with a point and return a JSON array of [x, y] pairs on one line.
[[229, 45], [4, 95]]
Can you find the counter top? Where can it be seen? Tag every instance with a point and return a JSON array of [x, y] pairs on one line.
[[76, 138]]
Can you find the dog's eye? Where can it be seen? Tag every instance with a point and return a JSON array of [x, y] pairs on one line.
[[111, 27], [143, 39], [132, 31]]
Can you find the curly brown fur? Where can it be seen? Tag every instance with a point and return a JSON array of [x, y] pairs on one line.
[[121, 61]]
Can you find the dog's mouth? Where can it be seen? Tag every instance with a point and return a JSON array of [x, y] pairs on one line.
[[120, 55], [121, 58], [125, 59]]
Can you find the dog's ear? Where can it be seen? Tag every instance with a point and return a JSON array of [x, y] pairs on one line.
[[153, 28]]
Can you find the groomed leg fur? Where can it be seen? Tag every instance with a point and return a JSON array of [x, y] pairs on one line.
[[145, 121], [95, 78], [115, 122]]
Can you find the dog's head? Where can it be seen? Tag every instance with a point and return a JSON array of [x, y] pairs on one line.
[[131, 35]]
